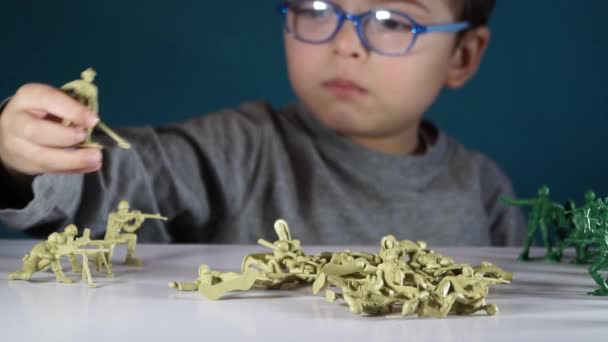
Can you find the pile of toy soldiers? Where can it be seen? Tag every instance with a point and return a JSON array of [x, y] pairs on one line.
[[403, 277], [48, 253], [585, 228]]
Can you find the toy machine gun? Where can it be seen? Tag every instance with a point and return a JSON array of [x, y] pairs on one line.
[[97, 254]]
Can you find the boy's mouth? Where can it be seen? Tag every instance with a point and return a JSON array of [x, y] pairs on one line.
[[344, 87]]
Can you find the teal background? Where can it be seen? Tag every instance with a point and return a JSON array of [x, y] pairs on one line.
[[538, 105]]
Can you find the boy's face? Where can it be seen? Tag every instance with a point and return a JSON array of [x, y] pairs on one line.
[[361, 94]]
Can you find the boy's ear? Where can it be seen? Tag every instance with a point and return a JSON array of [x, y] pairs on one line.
[[467, 56]]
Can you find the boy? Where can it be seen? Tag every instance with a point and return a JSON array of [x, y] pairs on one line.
[[352, 161]]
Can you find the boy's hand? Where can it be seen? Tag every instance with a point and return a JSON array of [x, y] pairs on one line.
[[33, 139]]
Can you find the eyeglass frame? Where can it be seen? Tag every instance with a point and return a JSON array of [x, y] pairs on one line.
[[357, 20]]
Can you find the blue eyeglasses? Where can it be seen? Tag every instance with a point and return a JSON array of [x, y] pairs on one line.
[[384, 31]]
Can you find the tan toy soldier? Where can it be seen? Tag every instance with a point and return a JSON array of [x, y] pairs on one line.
[[69, 233], [206, 276], [213, 284], [130, 222], [40, 257], [85, 92], [285, 250]]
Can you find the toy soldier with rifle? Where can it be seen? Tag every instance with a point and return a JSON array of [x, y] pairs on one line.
[[130, 222]]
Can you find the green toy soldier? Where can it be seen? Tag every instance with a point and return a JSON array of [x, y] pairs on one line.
[[542, 214], [593, 225], [568, 234]]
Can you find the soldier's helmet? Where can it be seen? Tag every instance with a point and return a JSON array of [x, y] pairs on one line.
[[590, 196], [123, 205], [388, 242], [71, 230], [203, 269], [55, 238], [88, 75]]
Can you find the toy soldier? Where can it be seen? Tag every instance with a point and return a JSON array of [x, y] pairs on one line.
[[543, 211], [85, 92], [69, 233], [212, 284], [130, 222], [285, 251], [598, 229], [40, 257], [567, 233]]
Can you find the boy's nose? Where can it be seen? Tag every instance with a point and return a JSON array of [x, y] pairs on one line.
[[346, 43]]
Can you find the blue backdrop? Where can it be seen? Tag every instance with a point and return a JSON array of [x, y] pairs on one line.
[[538, 105]]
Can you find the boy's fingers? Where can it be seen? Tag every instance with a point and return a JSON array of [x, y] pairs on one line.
[[54, 160], [49, 133], [39, 99], [84, 170]]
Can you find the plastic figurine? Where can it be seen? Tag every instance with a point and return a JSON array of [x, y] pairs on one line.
[[541, 215], [130, 222], [85, 92], [213, 284], [49, 253], [570, 234], [488, 270], [596, 226], [343, 264], [362, 296], [69, 233], [283, 248], [404, 276], [434, 266], [460, 294], [287, 266], [43, 255], [76, 247], [428, 284]]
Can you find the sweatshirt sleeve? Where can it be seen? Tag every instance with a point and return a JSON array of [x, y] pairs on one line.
[[193, 172], [507, 224]]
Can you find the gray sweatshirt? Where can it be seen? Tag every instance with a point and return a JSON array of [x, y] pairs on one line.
[[226, 177]]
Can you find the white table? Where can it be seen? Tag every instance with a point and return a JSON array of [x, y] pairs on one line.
[[544, 302]]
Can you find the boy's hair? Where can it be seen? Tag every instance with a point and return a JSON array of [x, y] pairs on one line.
[[476, 12]]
